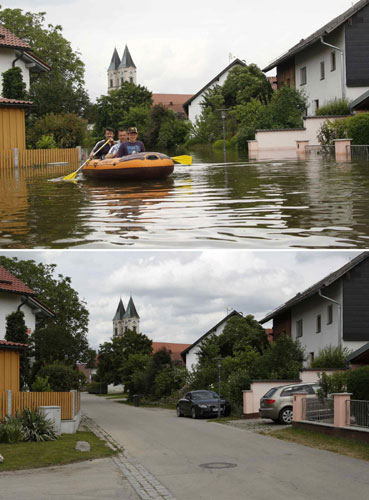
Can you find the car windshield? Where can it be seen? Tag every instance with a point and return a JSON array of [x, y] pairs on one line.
[[205, 395]]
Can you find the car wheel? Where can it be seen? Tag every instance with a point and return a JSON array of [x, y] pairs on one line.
[[179, 413], [193, 412], [285, 415]]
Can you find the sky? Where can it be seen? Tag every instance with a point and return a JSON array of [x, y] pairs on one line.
[[178, 47], [180, 295]]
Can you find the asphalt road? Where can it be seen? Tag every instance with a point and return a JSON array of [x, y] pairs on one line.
[[246, 465]]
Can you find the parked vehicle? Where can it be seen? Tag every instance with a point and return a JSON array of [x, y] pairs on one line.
[[202, 403], [277, 403]]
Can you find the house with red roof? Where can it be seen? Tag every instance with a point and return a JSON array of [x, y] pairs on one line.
[[174, 350], [15, 52], [17, 296]]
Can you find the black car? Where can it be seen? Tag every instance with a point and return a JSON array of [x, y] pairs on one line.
[[202, 403]]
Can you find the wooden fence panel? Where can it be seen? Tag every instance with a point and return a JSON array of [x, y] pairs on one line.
[[3, 396], [21, 400], [31, 157], [6, 159]]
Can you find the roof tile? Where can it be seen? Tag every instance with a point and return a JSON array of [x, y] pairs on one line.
[[9, 283], [8, 39]]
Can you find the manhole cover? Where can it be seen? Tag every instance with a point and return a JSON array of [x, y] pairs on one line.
[[218, 465]]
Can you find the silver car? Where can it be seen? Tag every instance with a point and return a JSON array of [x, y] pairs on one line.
[[277, 403]]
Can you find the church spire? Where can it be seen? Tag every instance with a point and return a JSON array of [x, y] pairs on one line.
[[115, 61], [127, 61], [131, 310], [120, 312]]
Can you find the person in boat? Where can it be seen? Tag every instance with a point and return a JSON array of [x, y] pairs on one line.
[[109, 135], [122, 137], [132, 146]]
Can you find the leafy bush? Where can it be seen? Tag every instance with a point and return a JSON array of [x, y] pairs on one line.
[[41, 385], [330, 384], [331, 357], [334, 107], [218, 145], [35, 426], [358, 383], [97, 388], [331, 130], [62, 377], [46, 142], [358, 128], [11, 430]]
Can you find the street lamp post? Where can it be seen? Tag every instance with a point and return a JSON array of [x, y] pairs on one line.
[[219, 382], [224, 116]]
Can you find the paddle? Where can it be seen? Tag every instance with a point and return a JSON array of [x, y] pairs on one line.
[[183, 160], [73, 175]]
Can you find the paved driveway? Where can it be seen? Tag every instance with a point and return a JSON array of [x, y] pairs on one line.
[[194, 459]]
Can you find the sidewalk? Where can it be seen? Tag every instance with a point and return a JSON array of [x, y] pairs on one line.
[[95, 479]]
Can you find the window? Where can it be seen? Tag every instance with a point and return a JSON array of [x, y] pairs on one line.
[[121, 81], [322, 70], [130, 79], [316, 105], [330, 314], [111, 83], [333, 61], [318, 323], [115, 331], [299, 331], [303, 76], [311, 360]]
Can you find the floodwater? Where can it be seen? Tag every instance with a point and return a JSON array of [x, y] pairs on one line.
[[265, 203]]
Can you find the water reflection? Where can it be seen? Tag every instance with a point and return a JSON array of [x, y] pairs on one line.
[[314, 203]]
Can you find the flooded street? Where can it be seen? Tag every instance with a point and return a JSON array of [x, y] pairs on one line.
[[312, 203]]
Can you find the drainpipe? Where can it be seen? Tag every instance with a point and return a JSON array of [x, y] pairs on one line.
[[18, 57], [339, 315], [342, 65], [23, 302]]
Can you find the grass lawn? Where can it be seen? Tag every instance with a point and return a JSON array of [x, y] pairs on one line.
[[60, 452], [145, 404], [320, 441]]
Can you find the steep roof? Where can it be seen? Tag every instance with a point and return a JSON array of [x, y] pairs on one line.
[[325, 30], [127, 61], [120, 311], [309, 292], [11, 284], [131, 310], [236, 62], [115, 61], [9, 40]]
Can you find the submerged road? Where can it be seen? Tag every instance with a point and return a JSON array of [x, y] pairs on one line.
[[195, 459]]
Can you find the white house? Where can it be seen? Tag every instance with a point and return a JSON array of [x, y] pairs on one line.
[[333, 311], [332, 62], [192, 106], [16, 52], [15, 295], [189, 355]]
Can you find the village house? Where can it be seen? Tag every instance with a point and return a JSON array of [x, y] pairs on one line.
[[334, 311], [17, 296], [332, 63]]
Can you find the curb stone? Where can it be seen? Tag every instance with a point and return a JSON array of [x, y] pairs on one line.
[[147, 486]]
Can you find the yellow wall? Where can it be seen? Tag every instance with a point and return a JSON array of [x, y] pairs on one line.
[[9, 370], [12, 128]]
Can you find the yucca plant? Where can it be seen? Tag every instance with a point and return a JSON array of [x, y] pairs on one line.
[[36, 427], [11, 430]]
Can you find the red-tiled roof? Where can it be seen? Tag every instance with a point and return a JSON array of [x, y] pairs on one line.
[[174, 349], [9, 283], [171, 101], [14, 102], [7, 343], [7, 39]]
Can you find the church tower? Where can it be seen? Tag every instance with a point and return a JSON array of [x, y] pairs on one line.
[[113, 79], [121, 71], [125, 319]]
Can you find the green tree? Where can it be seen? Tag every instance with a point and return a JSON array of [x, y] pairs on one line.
[[61, 377], [16, 331], [240, 333], [112, 109], [282, 360], [67, 130], [244, 83], [331, 357], [13, 84], [60, 90], [56, 292]]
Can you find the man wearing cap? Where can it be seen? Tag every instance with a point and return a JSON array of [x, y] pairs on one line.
[[132, 146]]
